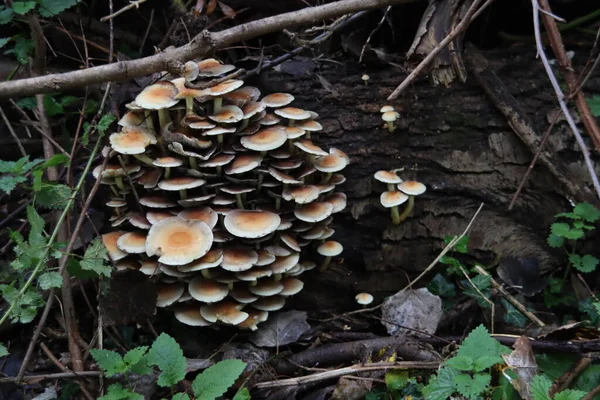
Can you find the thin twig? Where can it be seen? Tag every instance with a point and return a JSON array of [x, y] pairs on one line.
[[362, 51], [60, 375], [132, 4], [491, 303], [13, 133]]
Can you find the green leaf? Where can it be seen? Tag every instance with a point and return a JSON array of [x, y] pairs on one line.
[[540, 386], [216, 379], [37, 180], [168, 356], [396, 380], [587, 212], [52, 106], [512, 315], [597, 307], [28, 103], [23, 7], [471, 387], [569, 395], [36, 233], [481, 282], [50, 280], [116, 391], [4, 41], [50, 8], [462, 363], [594, 105], [104, 123], [441, 387], [560, 229], [242, 394], [141, 367], [6, 15], [574, 234], [94, 259], [8, 183], [555, 241], [67, 100], [109, 361], [53, 161], [479, 343], [22, 49], [25, 306], [134, 355], [53, 195], [3, 350], [484, 362], [587, 263], [181, 396], [440, 286]]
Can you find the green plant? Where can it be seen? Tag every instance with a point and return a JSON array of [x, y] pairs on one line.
[[572, 227], [541, 385], [166, 354], [454, 265]]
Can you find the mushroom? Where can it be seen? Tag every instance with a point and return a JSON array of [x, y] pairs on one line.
[[412, 189], [388, 177], [329, 249], [329, 164], [365, 79], [181, 184], [226, 311], [158, 96], [190, 315], [251, 224], [219, 90], [168, 293], [389, 117], [392, 200], [110, 243], [364, 299], [207, 291], [167, 163]]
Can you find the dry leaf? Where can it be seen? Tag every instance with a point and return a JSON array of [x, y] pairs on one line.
[[280, 329], [212, 4], [416, 309], [225, 9], [522, 362]]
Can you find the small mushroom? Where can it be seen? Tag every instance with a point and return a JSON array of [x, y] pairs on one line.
[[365, 79], [167, 163], [389, 117], [158, 96], [364, 299], [412, 189], [329, 249], [181, 184], [392, 200]]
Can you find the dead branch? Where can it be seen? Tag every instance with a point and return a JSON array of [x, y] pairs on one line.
[[172, 59]]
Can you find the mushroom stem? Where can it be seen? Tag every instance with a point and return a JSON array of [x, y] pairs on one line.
[[230, 285], [325, 264], [244, 124], [220, 139], [219, 170], [189, 105], [277, 203], [291, 122], [291, 147], [277, 277], [193, 163], [163, 118], [149, 121], [407, 210], [390, 126], [167, 172], [144, 158], [260, 181], [119, 182], [114, 190], [238, 199], [253, 283], [217, 104], [391, 187], [327, 177], [205, 273], [183, 194], [395, 215]]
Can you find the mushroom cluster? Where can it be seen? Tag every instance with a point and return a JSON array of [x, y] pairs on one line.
[[398, 193], [221, 198], [389, 115]]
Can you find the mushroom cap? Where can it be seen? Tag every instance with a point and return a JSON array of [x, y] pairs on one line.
[[337, 200], [387, 177], [190, 315], [228, 114], [194, 201], [364, 298], [211, 259], [243, 163], [302, 194], [149, 267], [251, 224], [219, 130], [284, 264], [224, 87], [211, 67], [236, 189], [265, 140], [167, 162], [178, 241], [139, 220], [204, 214], [314, 212], [390, 116], [291, 286], [309, 147], [386, 109], [183, 91], [412, 188], [207, 291], [110, 243], [277, 99], [266, 288], [330, 249], [190, 70], [132, 119], [217, 161], [392, 199], [271, 303], [157, 96], [255, 317], [270, 119], [238, 259], [281, 177], [253, 108], [243, 295], [330, 163], [365, 77], [292, 113], [200, 124], [116, 203], [156, 202], [172, 271], [290, 241], [180, 183], [150, 178], [133, 140], [264, 258], [253, 274], [310, 125], [227, 311], [168, 293], [243, 95], [113, 170], [132, 242], [156, 216]]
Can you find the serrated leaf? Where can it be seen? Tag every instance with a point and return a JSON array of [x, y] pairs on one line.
[[67, 100], [441, 387], [216, 379], [540, 385], [166, 354], [53, 161], [479, 343], [23, 7], [242, 394], [49, 280], [481, 282], [36, 223], [141, 367], [597, 308], [22, 49], [471, 387], [116, 391], [560, 228], [461, 363], [3, 350], [396, 380], [50, 8], [440, 286], [555, 241], [574, 234], [109, 361], [134, 355], [512, 315], [53, 107], [4, 41], [6, 15], [94, 259], [484, 362], [37, 180], [587, 211], [53, 195], [588, 263], [570, 215], [569, 395], [8, 183], [104, 123]]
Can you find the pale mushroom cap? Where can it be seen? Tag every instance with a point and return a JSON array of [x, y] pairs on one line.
[[265, 140], [212, 259], [114, 170], [412, 188], [149, 267], [266, 288], [211, 67], [132, 119], [270, 119], [203, 124], [156, 202], [219, 130], [190, 315], [132, 242], [243, 295], [206, 290], [292, 113], [158, 96], [309, 147], [226, 311], [183, 91], [284, 264], [179, 183], [167, 162], [330, 163], [338, 201], [243, 163], [150, 178], [253, 274], [311, 126], [251, 224], [228, 114], [217, 161], [156, 216], [302, 194], [290, 241], [204, 214], [387, 177], [139, 220], [238, 259], [278, 99], [224, 87], [110, 242], [291, 286], [314, 212], [172, 271], [168, 293], [190, 70], [389, 116], [178, 241], [271, 303], [281, 177], [392, 199], [132, 140], [243, 95], [255, 317], [253, 108], [264, 258], [385, 109], [364, 298], [116, 203], [330, 249], [365, 77]]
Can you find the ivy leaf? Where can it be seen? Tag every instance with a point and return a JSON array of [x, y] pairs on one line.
[[440, 286], [555, 241], [109, 361], [441, 387], [481, 282], [216, 379], [50, 8], [6, 15], [540, 385], [8, 183], [587, 263], [116, 391], [23, 7], [587, 212], [3, 350], [94, 259], [462, 363], [512, 315], [4, 41], [50, 280], [168, 356], [53, 196], [135, 355], [471, 387]]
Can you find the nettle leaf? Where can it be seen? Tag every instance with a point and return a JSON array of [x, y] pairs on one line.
[[555, 241], [8, 183], [479, 343], [52, 106], [441, 386], [109, 361], [49, 280], [134, 356], [560, 229], [462, 363], [25, 306], [587, 212], [574, 234], [166, 354], [587, 263], [569, 395], [4, 42], [23, 7], [471, 387], [243, 394], [6, 15], [440, 286], [116, 391], [216, 379], [3, 350], [484, 362], [540, 385], [53, 196], [50, 8], [94, 259]]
